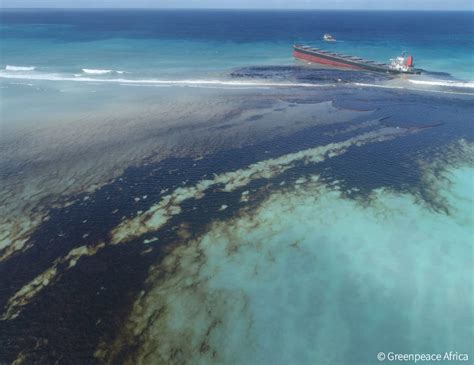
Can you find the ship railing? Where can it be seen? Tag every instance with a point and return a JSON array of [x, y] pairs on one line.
[[376, 63], [308, 48], [345, 56], [340, 55], [367, 62]]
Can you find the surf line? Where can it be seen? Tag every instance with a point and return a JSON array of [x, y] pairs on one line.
[[51, 77]]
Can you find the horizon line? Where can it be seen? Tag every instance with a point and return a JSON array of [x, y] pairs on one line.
[[232, 9]]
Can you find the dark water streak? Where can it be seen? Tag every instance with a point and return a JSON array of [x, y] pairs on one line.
[[89, 303]]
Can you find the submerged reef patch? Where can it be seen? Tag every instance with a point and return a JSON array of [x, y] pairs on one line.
[[297, 279]]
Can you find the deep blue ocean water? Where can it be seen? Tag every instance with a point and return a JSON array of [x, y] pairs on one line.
[[190, 43]]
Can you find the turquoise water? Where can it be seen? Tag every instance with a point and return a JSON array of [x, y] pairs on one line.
[[170, 44]]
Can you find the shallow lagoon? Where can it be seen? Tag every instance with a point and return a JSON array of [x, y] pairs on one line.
[[241, 224]]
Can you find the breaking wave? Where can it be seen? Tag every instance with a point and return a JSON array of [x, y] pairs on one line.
[[256, 77], [92, 71], [19, 68], [184, 82]]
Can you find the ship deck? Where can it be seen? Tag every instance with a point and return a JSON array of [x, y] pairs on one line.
[[346, 60]]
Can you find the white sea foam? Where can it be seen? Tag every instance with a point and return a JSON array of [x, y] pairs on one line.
[[96, 72], [92, 71], [461, 84], [184, 82], [19, 68], [223, 83]]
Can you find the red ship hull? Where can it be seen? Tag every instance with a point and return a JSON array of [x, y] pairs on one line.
[[324, 61], [316, 55], [319, 56]]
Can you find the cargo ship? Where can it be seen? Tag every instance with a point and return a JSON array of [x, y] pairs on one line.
[[403, 64]]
